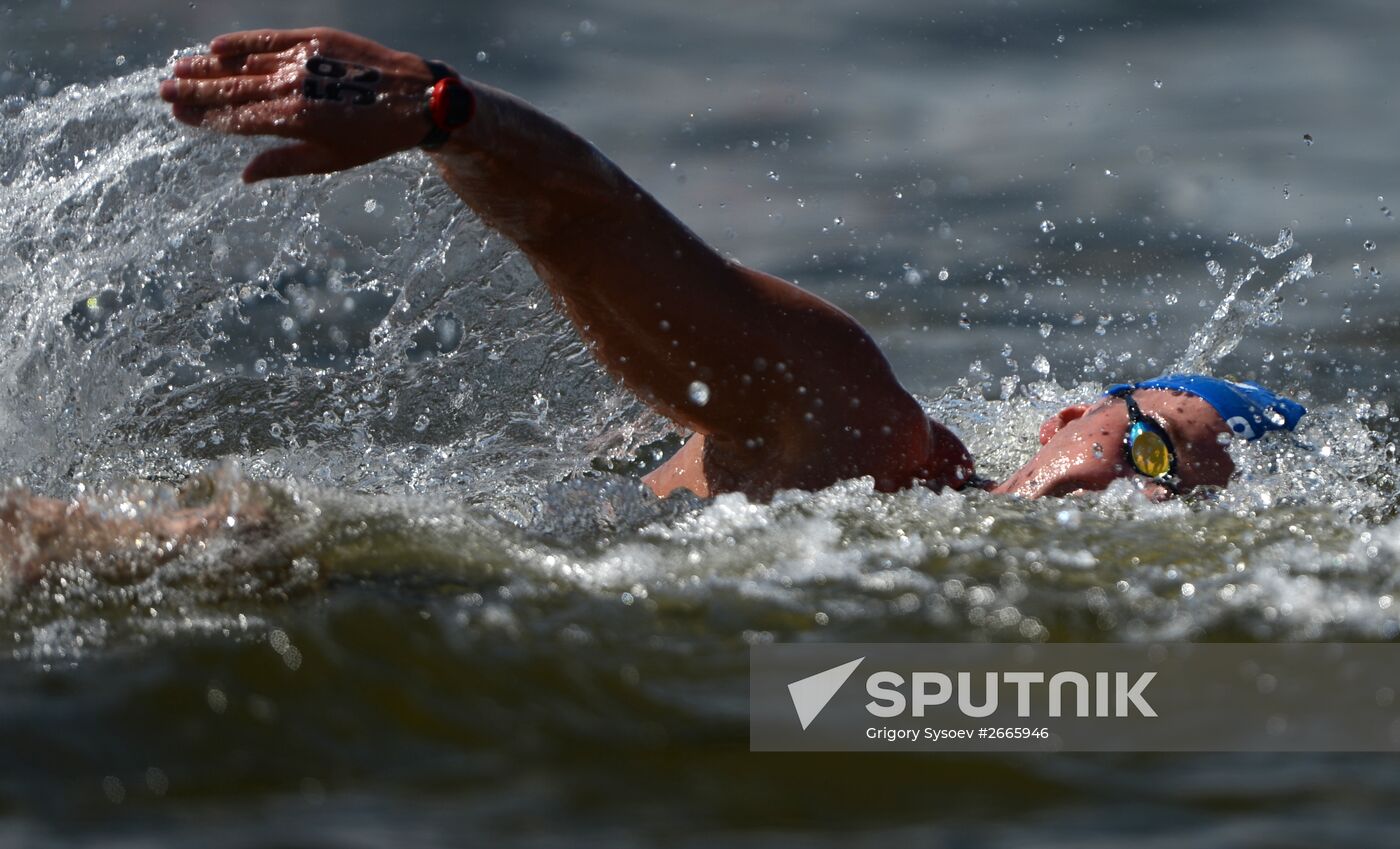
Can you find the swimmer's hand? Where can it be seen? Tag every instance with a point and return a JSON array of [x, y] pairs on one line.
[[345, 100]]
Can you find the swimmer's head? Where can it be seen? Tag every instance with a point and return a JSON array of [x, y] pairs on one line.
[[1171, 431]]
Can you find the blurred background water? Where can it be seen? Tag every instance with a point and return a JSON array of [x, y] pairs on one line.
[[466, 625]]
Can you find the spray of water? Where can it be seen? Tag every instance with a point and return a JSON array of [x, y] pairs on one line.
[[1233, 317], [362, 331]]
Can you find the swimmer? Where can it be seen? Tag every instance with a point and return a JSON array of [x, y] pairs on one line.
[[124, 541], [778, 388]]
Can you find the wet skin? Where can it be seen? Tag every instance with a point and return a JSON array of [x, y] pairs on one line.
[[1082, 447], [1081, 451]]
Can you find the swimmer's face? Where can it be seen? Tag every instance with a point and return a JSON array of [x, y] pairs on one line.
[[1082, 446]]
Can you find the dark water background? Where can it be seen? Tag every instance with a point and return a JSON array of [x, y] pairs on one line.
[[464, 631]]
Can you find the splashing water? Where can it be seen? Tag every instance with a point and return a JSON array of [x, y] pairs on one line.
[[1233, 317], [360, 331], [1277, 249]]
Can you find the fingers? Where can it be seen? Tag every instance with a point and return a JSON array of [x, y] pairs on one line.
[[260, 41], [295, 160], [266, 118], [287, 161], [226, 91], [192, 115], [213, 67]]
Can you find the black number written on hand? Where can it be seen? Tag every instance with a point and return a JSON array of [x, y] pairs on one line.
[[340, 81]]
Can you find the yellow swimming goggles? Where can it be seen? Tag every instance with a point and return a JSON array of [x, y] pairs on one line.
[[1146, 444]]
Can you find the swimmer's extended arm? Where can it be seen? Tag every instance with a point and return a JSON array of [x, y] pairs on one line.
[[38, 534], [763, 368], [757, 364]]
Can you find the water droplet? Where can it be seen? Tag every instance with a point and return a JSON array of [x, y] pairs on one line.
[[1078, 246], [1041, 365], [1307, 139], [1045, 329], [1214, 269], [699, 393], [943, 274], [482, 56], [113, 787], [1368, 245], [1156, 83], [1047, 226], [1060, 39], [913, 277], [421, 423], [371, 205], [260, 366]]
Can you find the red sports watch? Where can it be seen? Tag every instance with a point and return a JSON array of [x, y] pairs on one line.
[[448, 104]]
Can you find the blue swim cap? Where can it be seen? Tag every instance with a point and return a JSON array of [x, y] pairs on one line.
[[1249, 409]]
